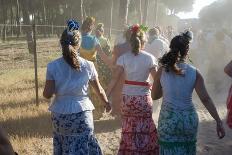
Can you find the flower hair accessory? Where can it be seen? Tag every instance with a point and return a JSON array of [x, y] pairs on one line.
[[72, 25], [135, 28]]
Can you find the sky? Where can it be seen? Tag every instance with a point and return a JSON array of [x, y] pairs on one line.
[[197, 6]]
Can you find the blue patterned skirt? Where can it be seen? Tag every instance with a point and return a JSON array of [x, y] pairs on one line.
[[73, 134], [177, 131]]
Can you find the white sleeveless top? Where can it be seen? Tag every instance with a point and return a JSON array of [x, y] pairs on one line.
[[178, 89]]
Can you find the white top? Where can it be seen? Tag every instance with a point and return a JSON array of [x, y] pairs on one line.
[[178, 89], [157, 47], [71, 86], [137, 68]]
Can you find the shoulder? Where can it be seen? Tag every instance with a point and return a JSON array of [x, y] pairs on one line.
[[85, 63], [56, 61], [192, 67], [146, 54]]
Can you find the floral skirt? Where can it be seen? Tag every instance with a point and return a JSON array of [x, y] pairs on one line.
[[229, 109], [73, 134], [139, 134], [177, 131]]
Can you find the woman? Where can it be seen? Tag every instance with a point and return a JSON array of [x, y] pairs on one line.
[[103, 69], [90, 45], [175, 81], [116, 95], [90, 48], [68, 78], [139, 134], [228, 71]]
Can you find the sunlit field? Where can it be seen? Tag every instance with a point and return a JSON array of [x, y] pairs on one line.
[[28, 125]]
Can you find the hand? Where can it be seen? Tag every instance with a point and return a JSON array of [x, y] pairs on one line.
[[108, 107], [220, 130]]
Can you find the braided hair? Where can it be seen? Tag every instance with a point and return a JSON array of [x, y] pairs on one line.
[[71, 37]]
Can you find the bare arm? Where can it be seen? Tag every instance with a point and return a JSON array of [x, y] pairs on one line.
[[114, 55], [228, 69], [100, 92], [156, 91], [5, 146], [103, 56], [117, 72], [208, 103], [49, 89], [153, 72]]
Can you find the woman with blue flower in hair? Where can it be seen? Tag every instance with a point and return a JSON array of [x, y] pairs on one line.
[[68, 79]]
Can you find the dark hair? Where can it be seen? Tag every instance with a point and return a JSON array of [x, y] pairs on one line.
[[179, 47], [67, 41], [137, 40]]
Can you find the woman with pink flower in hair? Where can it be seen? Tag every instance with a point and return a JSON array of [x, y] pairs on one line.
[[139, 135]]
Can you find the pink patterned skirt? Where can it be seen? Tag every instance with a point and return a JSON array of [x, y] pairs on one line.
[[139, 134], [229, 108]]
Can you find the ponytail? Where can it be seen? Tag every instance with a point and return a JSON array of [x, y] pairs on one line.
[[137, 39], [69, 54], [135, 44], [179, 47], [168, 61]]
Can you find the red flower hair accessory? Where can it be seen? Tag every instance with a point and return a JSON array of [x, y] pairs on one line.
[[135, 28]]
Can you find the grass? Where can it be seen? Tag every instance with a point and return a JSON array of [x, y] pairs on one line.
[[28, 125]]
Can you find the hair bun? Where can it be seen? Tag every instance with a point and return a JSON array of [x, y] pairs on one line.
[[188, 34]]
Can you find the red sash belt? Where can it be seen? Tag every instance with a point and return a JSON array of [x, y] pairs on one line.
[[137, 83]]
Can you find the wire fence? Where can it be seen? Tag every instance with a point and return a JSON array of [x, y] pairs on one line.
[[14, 48], [14, 52], [16, 32]]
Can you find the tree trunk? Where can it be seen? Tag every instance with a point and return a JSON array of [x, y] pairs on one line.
[[82, 11], [145, 12], [12, 19], [27, 29], [17, 18], [4, 15], [44, 18], [111, 18], [156, 13], [123, 13], [140, 12]]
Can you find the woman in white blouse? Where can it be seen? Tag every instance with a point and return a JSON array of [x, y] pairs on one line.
[[68, 78], [139, 135]]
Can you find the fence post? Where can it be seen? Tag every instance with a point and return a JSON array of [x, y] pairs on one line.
[[35, 63]]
